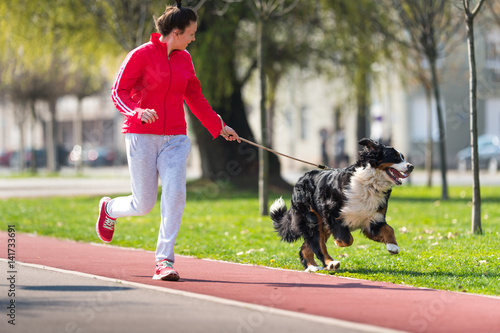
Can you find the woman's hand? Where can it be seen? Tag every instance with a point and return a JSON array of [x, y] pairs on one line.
[[229, 134], [149, 116]]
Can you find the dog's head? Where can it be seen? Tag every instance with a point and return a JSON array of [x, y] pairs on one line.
[[384, 158]]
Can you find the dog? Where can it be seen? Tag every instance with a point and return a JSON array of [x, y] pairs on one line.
[[339, 201]]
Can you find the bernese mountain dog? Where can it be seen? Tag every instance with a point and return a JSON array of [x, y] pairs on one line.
[[338, 201]]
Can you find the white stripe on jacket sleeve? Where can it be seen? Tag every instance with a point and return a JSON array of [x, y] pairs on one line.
[[114, 91]]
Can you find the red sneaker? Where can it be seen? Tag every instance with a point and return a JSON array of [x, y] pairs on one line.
[[105, 225], [165, 271]]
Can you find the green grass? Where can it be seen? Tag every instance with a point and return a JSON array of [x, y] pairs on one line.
[[437, 247]]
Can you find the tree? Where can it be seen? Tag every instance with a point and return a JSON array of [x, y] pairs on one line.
[[25, 89], [413, 62], [47, 39], [352, 35], [32, 42], [223, 70], [265, 11], [422, 76], [470, 14], [215, 60], [128, 22], [429, 25], [84, 84]]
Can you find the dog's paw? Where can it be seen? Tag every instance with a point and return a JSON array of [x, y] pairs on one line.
[[392, 248], [311, 268], [333, 266]]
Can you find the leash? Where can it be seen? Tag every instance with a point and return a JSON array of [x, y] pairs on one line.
[[320, 166]]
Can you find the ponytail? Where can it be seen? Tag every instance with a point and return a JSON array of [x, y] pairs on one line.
[[175, 17]]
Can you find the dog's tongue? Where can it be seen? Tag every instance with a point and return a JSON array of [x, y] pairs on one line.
[[398, 174]]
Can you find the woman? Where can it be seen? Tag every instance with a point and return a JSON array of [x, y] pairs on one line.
[[151, 85]]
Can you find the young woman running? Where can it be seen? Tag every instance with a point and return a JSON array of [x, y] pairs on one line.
[[153, 82]]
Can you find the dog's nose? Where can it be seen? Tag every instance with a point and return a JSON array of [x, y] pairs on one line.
[[409, 167]]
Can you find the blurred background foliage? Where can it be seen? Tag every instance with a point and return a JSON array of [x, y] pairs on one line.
[[53, 48]]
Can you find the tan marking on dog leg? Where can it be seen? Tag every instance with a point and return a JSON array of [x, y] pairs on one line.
[[331, 265], [324, 234], [341, 243], [390, 239], [308, 255], [386, 236]]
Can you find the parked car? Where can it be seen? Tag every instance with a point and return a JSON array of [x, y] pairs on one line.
[[488, 151], [93, 156], [40, 158], [5, 157]]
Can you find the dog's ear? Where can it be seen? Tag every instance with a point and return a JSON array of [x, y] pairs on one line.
[[370, 154], [369, 143]]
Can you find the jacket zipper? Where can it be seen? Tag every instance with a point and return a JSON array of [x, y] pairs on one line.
[[166, 95]]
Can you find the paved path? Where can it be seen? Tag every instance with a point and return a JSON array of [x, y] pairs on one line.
[[61, 186], [312, 296], [53, 300]]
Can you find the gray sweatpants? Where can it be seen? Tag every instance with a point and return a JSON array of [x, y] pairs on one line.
[[150, 156]]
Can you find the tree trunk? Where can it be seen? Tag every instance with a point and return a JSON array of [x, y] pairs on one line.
[[223, 161], [362, 103], [442, 132], [51, 138], [263, 155], [78, 135], [476, 193], [20, 126], [33, 166], [428, 148], [230, 162]]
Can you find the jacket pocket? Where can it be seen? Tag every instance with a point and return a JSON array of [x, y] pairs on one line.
[[131, 144]]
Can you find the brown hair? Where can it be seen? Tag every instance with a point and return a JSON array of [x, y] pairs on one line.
[[175, 17]]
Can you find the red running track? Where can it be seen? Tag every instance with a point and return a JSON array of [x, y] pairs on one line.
[[374, 303]]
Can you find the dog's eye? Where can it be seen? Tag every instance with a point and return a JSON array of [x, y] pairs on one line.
[[402, 156]]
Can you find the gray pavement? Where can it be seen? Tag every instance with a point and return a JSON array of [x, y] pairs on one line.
[[52, 300], [61, 186]]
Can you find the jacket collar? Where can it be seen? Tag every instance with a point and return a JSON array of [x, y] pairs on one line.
[[155, 39]]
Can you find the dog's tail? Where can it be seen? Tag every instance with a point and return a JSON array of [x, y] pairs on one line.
[[282, 221]]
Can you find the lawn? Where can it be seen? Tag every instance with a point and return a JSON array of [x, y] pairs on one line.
[[437, 247]]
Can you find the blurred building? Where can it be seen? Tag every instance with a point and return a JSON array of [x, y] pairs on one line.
[[309, 106], [101, 126]]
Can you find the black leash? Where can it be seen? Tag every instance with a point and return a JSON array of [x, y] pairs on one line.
[[320, 166]]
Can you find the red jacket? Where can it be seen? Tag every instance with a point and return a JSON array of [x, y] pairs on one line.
[[148, 79]]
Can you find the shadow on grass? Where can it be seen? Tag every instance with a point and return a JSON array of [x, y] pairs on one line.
[[412, 273], [484, 199], [335, 284], [202, 190]]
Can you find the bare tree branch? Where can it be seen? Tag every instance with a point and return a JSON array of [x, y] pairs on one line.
[[199, 4], [225, 6], [478, 7]]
